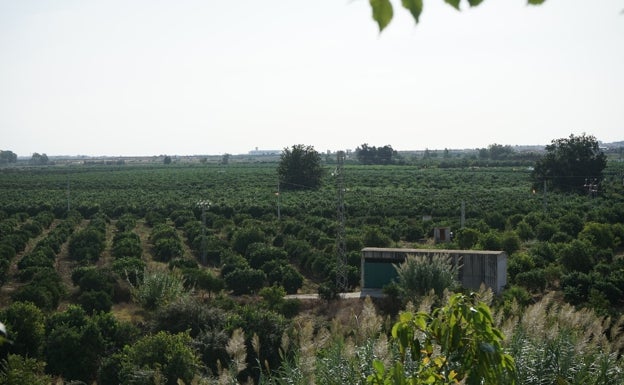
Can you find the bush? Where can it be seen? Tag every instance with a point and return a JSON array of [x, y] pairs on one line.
[[420, 274], [158, 288], [166, 249], [17, 370], [490, 241], [244, 281], [533, 280], [25, 325], [374, 237], [245, 237], [129, 268], [169, 355], [510, 242], [467, 238], [95, 301], [188, 315]]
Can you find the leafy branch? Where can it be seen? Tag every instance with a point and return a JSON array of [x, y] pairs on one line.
[[383, 10]]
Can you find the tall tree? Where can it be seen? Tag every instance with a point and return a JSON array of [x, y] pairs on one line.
[[39, 159], [570, 164], [300, 168], [7, 157]]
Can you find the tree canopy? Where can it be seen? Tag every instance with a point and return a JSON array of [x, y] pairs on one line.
[[373, 155], [383, 12], [571, 164], [7, 157], [300, 168]]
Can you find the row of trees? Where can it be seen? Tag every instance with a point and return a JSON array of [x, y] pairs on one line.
[[575, 163], [366, 154]]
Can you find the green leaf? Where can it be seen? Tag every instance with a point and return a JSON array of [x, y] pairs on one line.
[[414, 6], [474, 3], [382, 12], [536, 2], [379, 367], [453, 3]]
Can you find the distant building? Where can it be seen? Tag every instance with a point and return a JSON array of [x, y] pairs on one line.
[[257, 152], [476, 267]]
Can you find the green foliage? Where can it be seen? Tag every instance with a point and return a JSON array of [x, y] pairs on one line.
[[126, 244], [7, 157], [25, 323], [202, 279], [375, 237], [129, 268], [510, 242], [87, 245], [533, 280], [373, 155], [73, 348], [159, 287], [383, 13], [600, 235], [467, 238], [557, 344], [570, 162], [45, 289], [457, 342], [577, 256], [19, 370], [244, 281], [491, 241], [420, 274], [169, 355], [190, 315], [247, 236], [300, 168]]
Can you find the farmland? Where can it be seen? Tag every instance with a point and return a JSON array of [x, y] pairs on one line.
[[127, 252]]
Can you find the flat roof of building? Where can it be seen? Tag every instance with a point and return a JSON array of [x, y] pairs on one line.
[[441, 251]]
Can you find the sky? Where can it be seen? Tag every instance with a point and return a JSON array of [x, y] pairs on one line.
[[200, 77]]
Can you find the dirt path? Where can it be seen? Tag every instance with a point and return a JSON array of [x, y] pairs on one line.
[[12, 283], [106, 258], [64, 265]]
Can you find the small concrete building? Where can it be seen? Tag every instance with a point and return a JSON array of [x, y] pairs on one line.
[[476, 266]]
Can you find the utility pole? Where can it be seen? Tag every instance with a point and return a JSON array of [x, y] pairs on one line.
[[342, 278]]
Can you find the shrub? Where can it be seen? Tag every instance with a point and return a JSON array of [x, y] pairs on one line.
[[533, 280], [245, 237], [17, 369], [95, 301], [169, 355], [420, 274], [25, 325], [374, 237], [166, 249], [467, 238], [245, 280], [490, 241], [510, 242], [159, 287]]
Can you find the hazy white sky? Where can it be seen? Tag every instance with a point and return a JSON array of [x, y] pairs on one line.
[[149, 77]]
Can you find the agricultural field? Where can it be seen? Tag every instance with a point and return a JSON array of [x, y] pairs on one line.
[[108, 271]]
